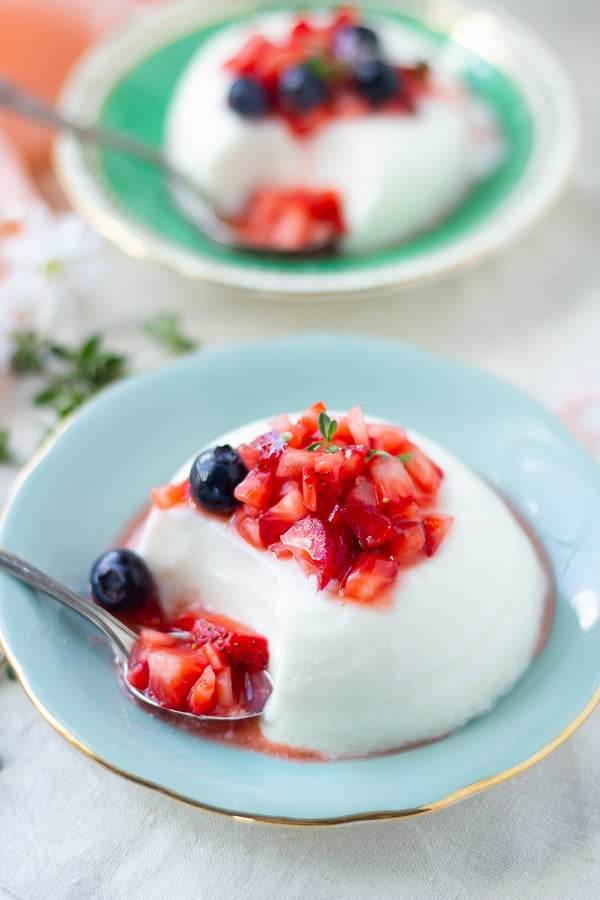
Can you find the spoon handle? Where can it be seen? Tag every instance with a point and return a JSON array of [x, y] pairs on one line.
[[29, 107], [122, 637]]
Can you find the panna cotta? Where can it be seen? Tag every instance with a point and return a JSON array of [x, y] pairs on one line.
[[341, 121], [396, 592]]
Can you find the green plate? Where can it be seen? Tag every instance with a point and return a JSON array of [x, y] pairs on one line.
[[97, 472], [127, 82]]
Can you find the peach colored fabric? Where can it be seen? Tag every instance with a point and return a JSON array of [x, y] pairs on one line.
[[39, 42], [16, 188]]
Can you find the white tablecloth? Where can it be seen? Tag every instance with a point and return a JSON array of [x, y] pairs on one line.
[[70, 829]]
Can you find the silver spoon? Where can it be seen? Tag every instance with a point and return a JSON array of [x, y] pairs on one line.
[[121, 638], [187, 194]]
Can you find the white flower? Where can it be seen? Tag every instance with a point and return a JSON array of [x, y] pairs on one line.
[[47, 243], [42, 269], [273, 442]]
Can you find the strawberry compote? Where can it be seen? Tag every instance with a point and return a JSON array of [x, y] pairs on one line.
[[351, 503]]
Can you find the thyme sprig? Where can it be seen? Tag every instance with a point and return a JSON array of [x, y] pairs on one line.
[[328, 428], [165, 329]]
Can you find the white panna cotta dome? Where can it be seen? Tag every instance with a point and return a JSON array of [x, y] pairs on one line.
[[395, 175], [350, 678]]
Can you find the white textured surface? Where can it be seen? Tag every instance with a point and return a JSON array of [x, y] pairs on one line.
[[459, 631], [72, 831]]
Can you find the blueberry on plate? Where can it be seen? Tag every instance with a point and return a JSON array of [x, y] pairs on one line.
[[248, 98], [355, 43], [214, 476], [301, 89], [121, 580], [377, 81]]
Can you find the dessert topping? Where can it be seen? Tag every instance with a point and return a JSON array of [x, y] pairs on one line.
[[213, 667], [319, 72], [351, 502]]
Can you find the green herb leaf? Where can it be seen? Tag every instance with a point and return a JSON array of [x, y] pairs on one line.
[[405, 457], [373, 453], [165, 329], [286, 436], [5, 453], [331, 448], [84, 371], [327, 426], [30, 354], [315, 446]]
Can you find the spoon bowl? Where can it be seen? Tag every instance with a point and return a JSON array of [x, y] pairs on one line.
[[121, 638], [187, 195]]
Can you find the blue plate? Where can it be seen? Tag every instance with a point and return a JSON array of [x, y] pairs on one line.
[[96, 473]]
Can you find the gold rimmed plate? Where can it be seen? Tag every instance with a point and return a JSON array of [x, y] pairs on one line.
[[72, 502]]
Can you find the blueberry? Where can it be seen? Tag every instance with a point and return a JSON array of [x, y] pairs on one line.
[[300, 89], [355, 43], [376, 80], [248, 98], [214, 476], [121, 580]]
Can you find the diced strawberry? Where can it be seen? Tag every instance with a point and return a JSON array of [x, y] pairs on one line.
[[302, 29], [250, 455], [327, 463], [256, 489], [281, 423], [312, 547], [325, 206], [184, 621], [173, 671], [369, 576], [309, 420], [138, 675], [407, 513], [358, 428], [408, 542], [170, 495], [309, 489], [370, 526], [307, 122], [216, 658], [201, 696], [350, 105], [436, 529], [320, 491], [151, 640], [292, 462], [392, 482], [389, 438], [342, 432], [210, 632], [292, 229], [276, 520], [424, 472], [363, 492], [250, 649], [245, 61], [248, 527], [224, 688]]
